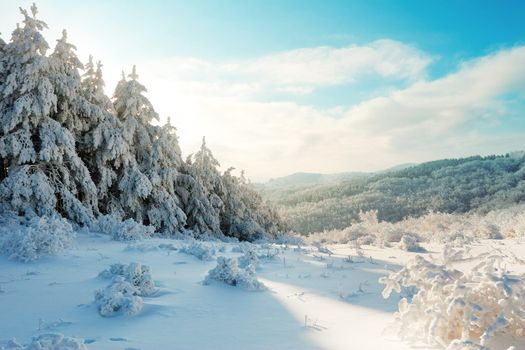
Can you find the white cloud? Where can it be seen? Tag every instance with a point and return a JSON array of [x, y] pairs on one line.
[[427, 120], [301, 71]]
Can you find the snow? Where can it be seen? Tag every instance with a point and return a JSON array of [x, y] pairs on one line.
[[313, 300]]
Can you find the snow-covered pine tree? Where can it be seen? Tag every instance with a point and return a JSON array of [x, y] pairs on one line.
[[135, 112], [44, 174], [244, 214], [163, 205], [3, 162], [205, 185], [65, 78], [102, 146], [233, 213], [208, 173]]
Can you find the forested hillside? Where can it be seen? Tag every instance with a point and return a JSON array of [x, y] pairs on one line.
[[67, 149], [475, 183]]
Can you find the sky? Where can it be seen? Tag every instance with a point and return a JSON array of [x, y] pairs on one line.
[[279, 87]]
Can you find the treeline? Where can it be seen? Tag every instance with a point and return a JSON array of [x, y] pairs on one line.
[[479, 184], [66, 148]]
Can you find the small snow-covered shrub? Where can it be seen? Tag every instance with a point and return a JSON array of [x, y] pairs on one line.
[[450, 305], [268, 254], [199, 250], [51, 341], [289, 238], [120, 297], [127, 230], [106, 223], [489, 230], [130, 230], [250, 259], [392, 235], [409, 243], [40, 236], [56, 341], [228, 271], [242, 247], [138, 275]]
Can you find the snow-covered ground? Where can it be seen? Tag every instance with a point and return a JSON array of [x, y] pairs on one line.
[[315, 298]]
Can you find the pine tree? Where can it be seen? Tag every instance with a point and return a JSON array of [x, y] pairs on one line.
[[44, 173], [244, 215], [102, 145], [65, 78], [204, 183], [163, 205], [202, 216], [3, 162], [135, 112]]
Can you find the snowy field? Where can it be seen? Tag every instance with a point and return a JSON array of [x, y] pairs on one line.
[[324, 297]]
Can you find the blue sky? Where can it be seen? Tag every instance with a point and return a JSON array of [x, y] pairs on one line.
[[324, 86]]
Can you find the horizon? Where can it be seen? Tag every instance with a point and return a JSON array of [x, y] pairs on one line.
[[345, 89]]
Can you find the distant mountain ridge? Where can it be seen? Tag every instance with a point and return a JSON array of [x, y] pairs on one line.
[[317, 202], [300, 179], [308, 179]]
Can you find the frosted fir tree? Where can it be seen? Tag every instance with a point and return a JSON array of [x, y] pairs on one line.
[[244, 214], [153, 162], [42, 171], [65, 78], [234, 212], [135, 113], [3, 162], [102, 146], [204, 183], [2, 44], [163, 205]]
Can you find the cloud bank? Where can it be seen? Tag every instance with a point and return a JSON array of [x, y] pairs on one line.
[[248, 111]]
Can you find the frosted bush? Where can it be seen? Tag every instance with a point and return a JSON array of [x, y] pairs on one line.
[[242, 247], [289, 238], [106, 224], [366, 240], [40, 236], [409, 243], [457, 239], [449, 305], [392, 235], [120, 297], [228, 271], [137, 275], [489, 230], [130, 230], [268, 253], [56, 341], [52, 341], [199, 250], [250, 260]]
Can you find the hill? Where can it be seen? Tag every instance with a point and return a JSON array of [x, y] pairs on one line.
[[460, 185]]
